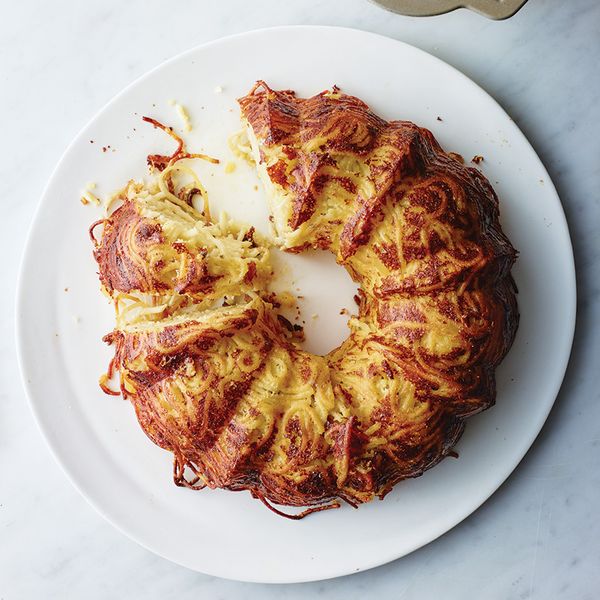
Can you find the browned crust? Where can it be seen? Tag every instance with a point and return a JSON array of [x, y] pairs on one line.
[[122, 257], [467, 286]]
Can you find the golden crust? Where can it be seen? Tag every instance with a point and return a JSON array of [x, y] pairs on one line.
[[152, 245], [230, 393]]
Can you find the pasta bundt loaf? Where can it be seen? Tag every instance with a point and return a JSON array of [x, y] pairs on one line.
[[214, 372]]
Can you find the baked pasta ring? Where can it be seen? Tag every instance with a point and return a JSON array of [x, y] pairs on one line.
[[213, 373]]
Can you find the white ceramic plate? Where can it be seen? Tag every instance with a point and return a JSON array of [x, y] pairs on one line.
[[62, 315]]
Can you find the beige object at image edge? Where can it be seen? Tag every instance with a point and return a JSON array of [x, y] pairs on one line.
[[494, 9]]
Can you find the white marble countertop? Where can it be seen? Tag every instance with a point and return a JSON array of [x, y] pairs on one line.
[[539, 535]]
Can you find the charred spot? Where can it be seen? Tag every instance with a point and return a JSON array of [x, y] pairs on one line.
[[347, 184], [305, 372], [414, 218], [435, 242], [427, 197], [188, 195], [158, 161], [179, 247], [250, 273], [383, 413], [372, 370], [465, 252], [291, 327], [272, 299], [319, 182], [234, 390], [388, 254], [285, 322], [110, 338], [146, 379], [315, 485], [278, 173], [290, 152], [346, 395], [347, 439], [249, 236], [404, 311], [361, 482], [303, 208], [385, 367], [410, 253], [446, 308]]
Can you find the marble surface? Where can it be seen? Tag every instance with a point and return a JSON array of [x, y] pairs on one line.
[[538, 536]]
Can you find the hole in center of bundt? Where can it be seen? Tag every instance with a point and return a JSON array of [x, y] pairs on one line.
[[323, 297]]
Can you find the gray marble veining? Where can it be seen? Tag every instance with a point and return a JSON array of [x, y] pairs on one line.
[[537, 537]]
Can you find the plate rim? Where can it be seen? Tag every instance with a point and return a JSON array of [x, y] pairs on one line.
[[569, 315]]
